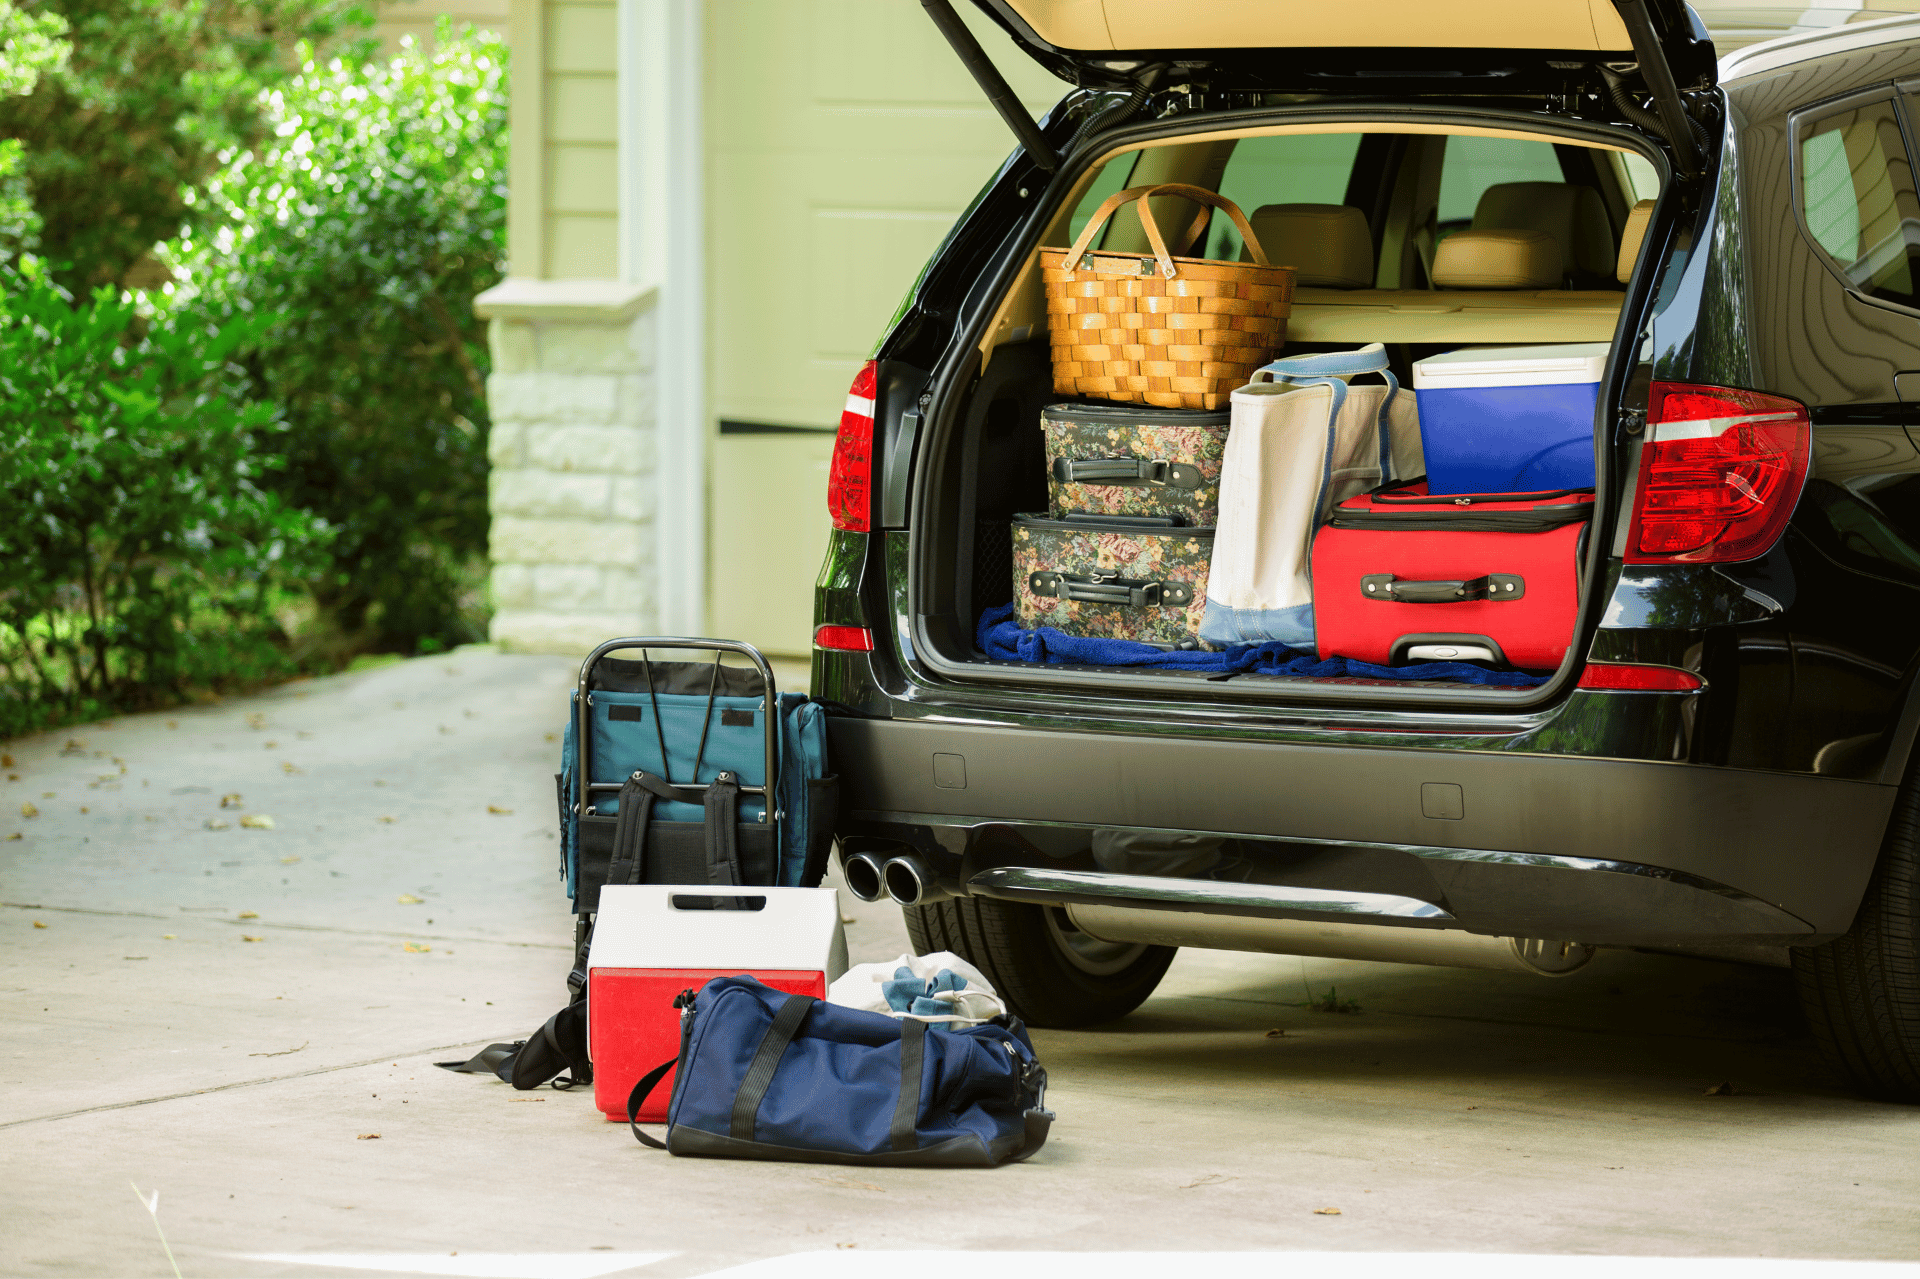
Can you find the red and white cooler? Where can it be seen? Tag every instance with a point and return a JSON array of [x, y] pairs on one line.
[[652, 941]]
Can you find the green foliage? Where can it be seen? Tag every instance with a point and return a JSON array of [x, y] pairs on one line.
[[30, 45], [142, 554], [367, 225], [121, 136]]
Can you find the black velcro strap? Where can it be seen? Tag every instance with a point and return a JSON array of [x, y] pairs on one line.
[[905, 1131], [722, 811], [753, 1089], [487, 1061], [648, 1082]]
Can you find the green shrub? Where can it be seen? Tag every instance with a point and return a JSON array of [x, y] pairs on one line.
[[368, 224], [143, 558], [125, 129]]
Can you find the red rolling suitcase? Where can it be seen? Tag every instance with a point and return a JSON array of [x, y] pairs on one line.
[[1400, 575]]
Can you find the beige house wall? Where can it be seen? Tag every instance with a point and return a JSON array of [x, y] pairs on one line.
[[714, 207]]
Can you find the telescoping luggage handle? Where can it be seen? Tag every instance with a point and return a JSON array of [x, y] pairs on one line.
[[770, 718]]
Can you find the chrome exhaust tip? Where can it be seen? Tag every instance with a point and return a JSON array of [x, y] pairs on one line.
[[863, 873], [910, 883]]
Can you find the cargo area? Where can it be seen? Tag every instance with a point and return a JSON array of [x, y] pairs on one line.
[[1470, 255]]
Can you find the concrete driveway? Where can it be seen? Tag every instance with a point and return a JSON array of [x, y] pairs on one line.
[[222, 1013]]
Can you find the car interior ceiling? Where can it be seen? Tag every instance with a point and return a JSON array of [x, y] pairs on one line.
[[1422, 257]]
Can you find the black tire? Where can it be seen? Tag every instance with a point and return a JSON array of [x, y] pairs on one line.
[[1049, 973], [1862, 993]]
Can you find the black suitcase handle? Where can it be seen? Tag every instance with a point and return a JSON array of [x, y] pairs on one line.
[[1126, 470], [1494, 587], [1109, 588]]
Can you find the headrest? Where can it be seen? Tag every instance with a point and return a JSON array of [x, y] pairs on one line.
[[1497, 260], [1630, 238], [1573, 215], [1327, 245]]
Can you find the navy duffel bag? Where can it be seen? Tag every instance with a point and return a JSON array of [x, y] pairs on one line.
[[768, 1075]]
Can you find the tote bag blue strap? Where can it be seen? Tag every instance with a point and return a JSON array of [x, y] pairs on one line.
[[1331, 368]]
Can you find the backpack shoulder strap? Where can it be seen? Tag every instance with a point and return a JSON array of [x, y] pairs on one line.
[[722, 839]]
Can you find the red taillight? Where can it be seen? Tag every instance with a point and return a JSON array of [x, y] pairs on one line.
[[1627, 675], [1719, 474], [850, 482], [844, 639]]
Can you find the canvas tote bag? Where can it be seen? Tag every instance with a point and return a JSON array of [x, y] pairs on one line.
[[1302, 441]]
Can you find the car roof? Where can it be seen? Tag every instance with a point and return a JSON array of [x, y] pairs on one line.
[[1805, 46]]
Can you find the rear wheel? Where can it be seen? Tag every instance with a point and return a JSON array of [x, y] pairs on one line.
[[1049, 972], [1862, 992]]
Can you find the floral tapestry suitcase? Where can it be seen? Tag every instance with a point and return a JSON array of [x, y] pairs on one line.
[[1112, 577], [1114, 459]]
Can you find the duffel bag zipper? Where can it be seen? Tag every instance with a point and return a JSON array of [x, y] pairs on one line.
[[684, 1001]]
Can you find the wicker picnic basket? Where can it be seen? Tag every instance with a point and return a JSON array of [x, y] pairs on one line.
[[1177, 333]]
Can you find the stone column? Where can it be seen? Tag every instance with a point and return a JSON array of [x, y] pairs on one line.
[[573, 398]]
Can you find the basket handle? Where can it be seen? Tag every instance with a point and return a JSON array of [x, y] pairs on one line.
[[1199, 195]]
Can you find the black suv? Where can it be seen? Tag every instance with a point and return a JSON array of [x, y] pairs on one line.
[[1721, 767]]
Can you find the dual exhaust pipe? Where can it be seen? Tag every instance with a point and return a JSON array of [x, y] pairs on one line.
[[904, 878]]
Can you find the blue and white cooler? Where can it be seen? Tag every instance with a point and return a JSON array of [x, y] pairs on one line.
[[1509, 419]]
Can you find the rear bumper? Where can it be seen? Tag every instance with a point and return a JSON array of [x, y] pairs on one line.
[[1604, 851]]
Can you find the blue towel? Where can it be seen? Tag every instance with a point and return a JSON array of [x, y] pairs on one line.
[[909, 994], [1002, 639]]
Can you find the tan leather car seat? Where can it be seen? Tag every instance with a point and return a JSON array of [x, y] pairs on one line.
[[1497, 260], [1572, 215], [1630, 240], [1327, 245]]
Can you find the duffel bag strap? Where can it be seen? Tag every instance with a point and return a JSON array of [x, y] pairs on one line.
[[753, 1088], [648, 1082], [766, 1060], [904, 1133]]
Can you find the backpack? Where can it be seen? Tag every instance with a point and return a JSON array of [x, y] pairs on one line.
[[663, 773]]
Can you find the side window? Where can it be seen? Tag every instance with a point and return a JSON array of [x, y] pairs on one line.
[[1112, 178], [1474, 164], [1857, 196], [1643, 180], [1295, 168]]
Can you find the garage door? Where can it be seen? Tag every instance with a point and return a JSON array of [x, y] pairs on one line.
[[843, 138]]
